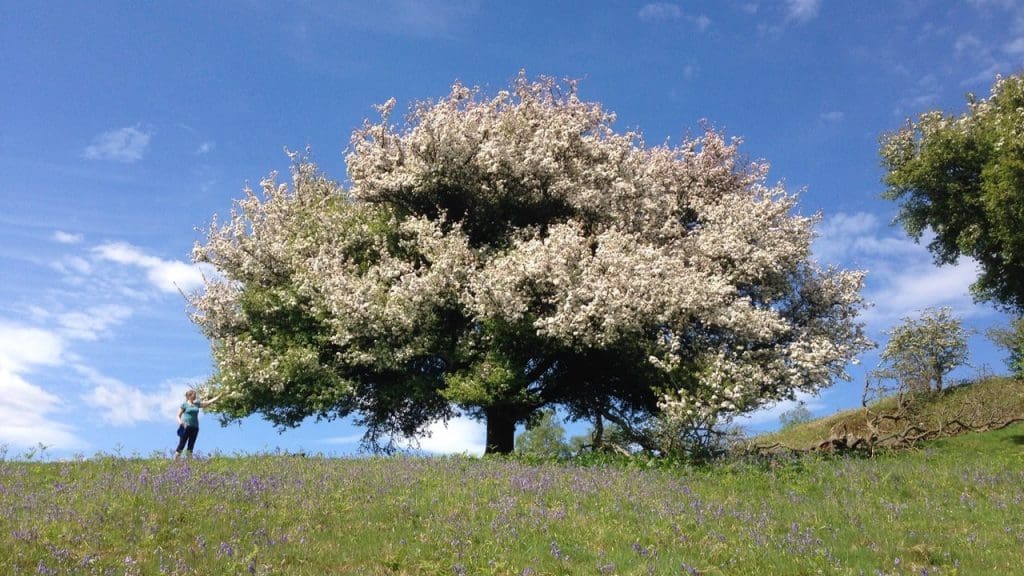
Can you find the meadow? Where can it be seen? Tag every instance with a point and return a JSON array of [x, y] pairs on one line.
[[955, 506]]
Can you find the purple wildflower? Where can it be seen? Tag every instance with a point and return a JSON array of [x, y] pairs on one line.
[[557, 552]]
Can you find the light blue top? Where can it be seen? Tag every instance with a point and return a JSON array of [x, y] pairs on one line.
[[191, 415]]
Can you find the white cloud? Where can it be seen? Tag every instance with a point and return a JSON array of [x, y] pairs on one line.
[[23, 347], [802, 10], [124, 253], [920, 285], [902, 278], [205, 148], [166, 275], [123, 145], [25, 409], [460, 435], [119, 404], [702, 22], [172, 275], [24, 416], [658, 11], [833, 116], [66, 237]]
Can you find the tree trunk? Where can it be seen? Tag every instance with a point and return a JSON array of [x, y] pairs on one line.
[[501, 430]]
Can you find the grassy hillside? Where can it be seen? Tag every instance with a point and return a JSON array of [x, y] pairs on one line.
[[989, 400], [955, 507]]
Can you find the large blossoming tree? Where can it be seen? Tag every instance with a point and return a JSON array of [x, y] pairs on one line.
[[501, 255]]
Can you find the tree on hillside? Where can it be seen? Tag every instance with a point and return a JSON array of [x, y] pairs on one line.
[[962, 178], [498, 256], [922, 351], [795, 416], [544, 437], [1012, 340]]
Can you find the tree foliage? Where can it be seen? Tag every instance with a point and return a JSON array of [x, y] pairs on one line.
[[544, 437], [795, 416], [922, 351], [1011, 339], [962, 179], [500, 255]]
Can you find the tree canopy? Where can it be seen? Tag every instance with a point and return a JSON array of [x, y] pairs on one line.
[[962, 179], [922, 351], [497, 256]]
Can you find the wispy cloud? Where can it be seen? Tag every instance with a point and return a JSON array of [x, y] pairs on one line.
[[205, 148], [659, 11], [126, 145], [415, 18], [802, 10], [93, 323], [343, 440], [1015, 47], [671, 12], [67, 237], [989, 4], [991, 54], [966, 44], [902, 278], [924, 94], [166, 275], [832, 116], [431, 17]]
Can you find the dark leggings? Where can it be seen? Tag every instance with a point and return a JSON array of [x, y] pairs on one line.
[[190, 435]]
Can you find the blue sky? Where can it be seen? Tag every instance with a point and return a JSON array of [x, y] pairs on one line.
[[124, 127]]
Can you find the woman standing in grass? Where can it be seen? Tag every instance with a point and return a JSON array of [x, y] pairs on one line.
[[188, 416]]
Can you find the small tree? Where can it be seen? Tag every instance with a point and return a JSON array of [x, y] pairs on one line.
[[1012, 340], [921, 352], [544, 437], [795, 416]]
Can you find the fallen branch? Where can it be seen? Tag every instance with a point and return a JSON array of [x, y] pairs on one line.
[[905, 438]]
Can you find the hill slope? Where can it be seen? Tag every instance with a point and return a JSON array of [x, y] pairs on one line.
[[950, 412]]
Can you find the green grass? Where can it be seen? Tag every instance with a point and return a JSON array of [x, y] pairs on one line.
[[953, 507]]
